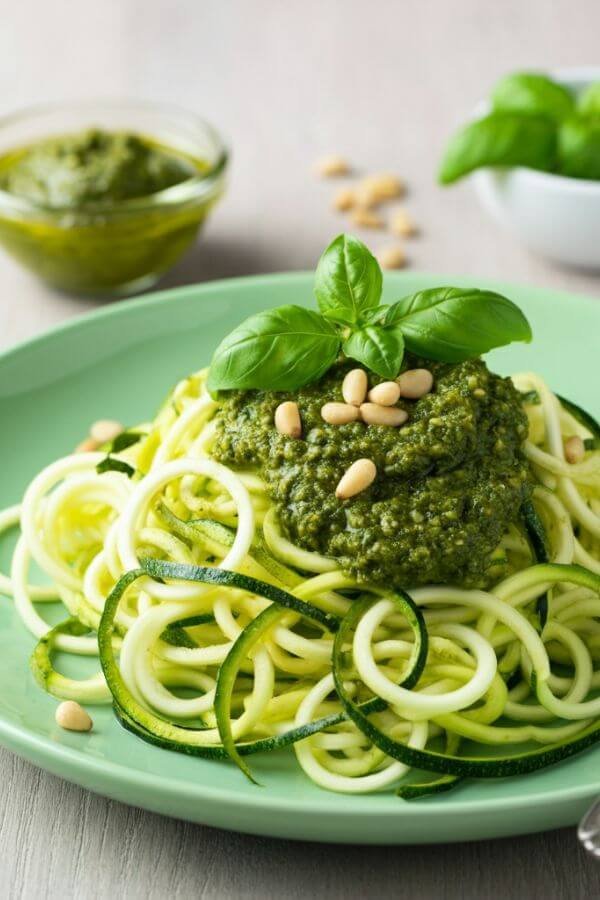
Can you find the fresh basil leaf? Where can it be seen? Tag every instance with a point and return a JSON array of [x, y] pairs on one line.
[[111, 464], [589, 101], [579, 147], [376, 316], [379, 349], [531, 92], [500, 139], [453, 324], [340, 316], [124, 440], [348, 278], [279, 349]]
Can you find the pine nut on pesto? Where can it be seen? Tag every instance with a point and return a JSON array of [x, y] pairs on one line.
[[444, 494], [287, 419]]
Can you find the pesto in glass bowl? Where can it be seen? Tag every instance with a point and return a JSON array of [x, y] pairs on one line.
[[103, 198]]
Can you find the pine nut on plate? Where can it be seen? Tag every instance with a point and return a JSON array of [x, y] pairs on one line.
[[415, 383], [339, 413], [88, 445], [385, 394], [72, 717], [357, 478], [105, 430], [374, 414], [574, 449], [354, 387], [287, 419]]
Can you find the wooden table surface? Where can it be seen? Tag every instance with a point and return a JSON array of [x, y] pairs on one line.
[[382, 83]]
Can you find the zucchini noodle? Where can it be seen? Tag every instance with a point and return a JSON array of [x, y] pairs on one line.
[[216, 636]]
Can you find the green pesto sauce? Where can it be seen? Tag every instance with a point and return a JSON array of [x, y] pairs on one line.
[[92, 167], [86, 234], [448, 483]]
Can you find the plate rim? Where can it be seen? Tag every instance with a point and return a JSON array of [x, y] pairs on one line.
[[34, 746]]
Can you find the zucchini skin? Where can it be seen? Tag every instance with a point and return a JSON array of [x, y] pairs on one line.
[[159, 732], [583, 417], [538, 540], [417, 790], [157, 568], [450, 764]]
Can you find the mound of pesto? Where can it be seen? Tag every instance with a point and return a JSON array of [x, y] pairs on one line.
[[92, 167], [449, 482]]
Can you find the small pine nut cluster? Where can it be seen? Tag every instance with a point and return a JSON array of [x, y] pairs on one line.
[[363, 199], [102, 432], [373, 407]]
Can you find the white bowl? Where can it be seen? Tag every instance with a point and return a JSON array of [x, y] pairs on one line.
[[555, 216]]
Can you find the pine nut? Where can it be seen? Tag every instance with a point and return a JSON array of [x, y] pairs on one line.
[[574, 449], [415, 383], [105, 430], [392, 257], [331, 166], [354, 387], [364, 218], [344, 200], [87, 446], [340, 413], [385, 394], [287, 419], [359, 476], [402, 224], [73, 717], [374, 414], [375, 189]]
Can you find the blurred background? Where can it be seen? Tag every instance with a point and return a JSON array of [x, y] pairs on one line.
[[383, 84]]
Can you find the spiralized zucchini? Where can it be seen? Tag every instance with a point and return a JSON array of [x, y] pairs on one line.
[[218, 637]]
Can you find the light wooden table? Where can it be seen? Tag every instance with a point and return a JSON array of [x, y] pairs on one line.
[[383, 83]]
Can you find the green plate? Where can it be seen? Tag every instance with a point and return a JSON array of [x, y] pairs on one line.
[[119, 363]]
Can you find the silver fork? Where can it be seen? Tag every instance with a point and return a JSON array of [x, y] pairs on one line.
[[589, 830]]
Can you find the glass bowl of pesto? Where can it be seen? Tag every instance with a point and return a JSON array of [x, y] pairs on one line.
[[102, 198], [555, 213]]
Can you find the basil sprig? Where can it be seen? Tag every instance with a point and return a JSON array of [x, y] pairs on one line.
[[288, 347], [279, 349], [500, 139], [534, 122]]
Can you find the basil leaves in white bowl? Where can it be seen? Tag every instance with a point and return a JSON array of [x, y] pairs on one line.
[[534, 150]]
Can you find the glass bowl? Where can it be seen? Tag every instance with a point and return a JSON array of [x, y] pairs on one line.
[[112, 248]]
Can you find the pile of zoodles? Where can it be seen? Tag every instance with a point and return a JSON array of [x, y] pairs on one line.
[[217, 637]]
